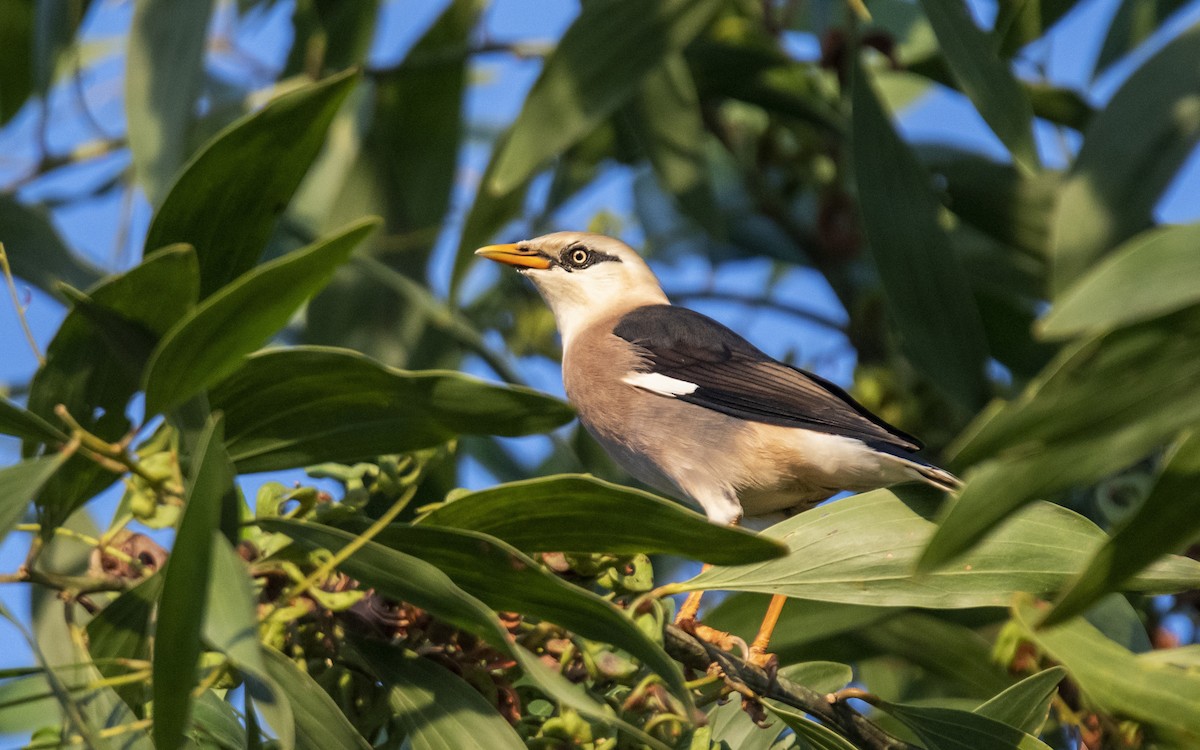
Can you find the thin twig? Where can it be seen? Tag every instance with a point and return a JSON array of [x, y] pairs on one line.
[[12, 290], [838, 716]]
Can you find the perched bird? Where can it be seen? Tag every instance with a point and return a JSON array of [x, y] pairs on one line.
[[693, 409]]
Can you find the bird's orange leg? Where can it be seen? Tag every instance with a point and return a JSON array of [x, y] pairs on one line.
[[758, 647], [686, 619]]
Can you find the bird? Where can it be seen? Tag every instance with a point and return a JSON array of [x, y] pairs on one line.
[[694, 410]]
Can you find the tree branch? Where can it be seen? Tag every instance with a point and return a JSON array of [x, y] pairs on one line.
[[840, 716]]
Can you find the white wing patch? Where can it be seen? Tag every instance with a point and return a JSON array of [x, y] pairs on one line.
[[659, 383]]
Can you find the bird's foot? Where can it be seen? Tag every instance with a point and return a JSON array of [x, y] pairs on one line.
[[719, 638], [768, 663]]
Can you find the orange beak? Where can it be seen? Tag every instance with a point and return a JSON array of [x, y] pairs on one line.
[[514, 255]]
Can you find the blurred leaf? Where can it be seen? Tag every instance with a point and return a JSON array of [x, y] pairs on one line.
[[1026, 704], [16, 64], [1131, 153], [579, 513], [1166, 521], [820, 676], [407, 578], [28, 703], [1133, 23], [164, 69], [216, 723], [180, 611], [122, 631], [733, 728], [862, 550], [1061, 106], [35, 250], [209, 343], [984, 78], [1150, 275], [417, 120], [954, 653], [94, 382], [506, 580], [951, 729], [244, 178], [1019, 22], [20, 483], [330, 35], [816, 736], [303, 405], [1101, 405], [925, 288], [665, 118], [1117, 682], [26, 425], [996, 198], [436, 708], [598, 65], [54, 27], [320, 724]]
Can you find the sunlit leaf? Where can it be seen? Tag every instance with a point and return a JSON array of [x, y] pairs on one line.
[[210, 341], [507, 580], [164, 70], [1150, 275], [1130, 155], [1166, 520], [1115, 681], [863, 550], [180, 609], [1026, 704], [926, 289], [436, 708], [25, 424], [20, 483], [578, 513], [984, 78], [304, 405], [244, 177]]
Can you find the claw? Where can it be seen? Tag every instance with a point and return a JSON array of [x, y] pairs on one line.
[[768, 663]]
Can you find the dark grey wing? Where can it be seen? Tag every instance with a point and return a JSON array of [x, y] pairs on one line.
[[733, 377]]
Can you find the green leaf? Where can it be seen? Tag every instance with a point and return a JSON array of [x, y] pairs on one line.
[[407, 578], [244, 178], [320, 724], [436, 708], [1101, 405], [926, 290], [1150, 275], [180, 610], [209, 343], [164, 70], [820, 676], [598, 65], [20, 483], [1131, 153], [505, 579], [1020, 22], [35, 250], [1167, 520], [1116, 681], [665, 118], [54, 28], [817, 736], [16, 64], [950, 729], [984, 78], [304, 405], [122, 631], [1026, 704], [93, 381], [215, 723], [731, 727], [953, 652], [579, 513], [418, 120], [1133, 23], [1061, 106], [25, 424], [862, 550]]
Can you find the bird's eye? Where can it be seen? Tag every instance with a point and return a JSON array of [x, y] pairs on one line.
[[579, 256]]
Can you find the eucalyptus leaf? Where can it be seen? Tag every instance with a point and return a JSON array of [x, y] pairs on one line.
[[817, 736], [579, 513], [244, 177], [122, 631], [209, 342], [20, 483], [36, 252], [863, 550], [16, 65], [303, 405], [951, 729], [1026, 704], [320, 724]]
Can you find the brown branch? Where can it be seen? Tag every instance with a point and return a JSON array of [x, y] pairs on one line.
[[839, 716]]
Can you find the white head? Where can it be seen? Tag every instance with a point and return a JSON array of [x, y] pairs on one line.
[[583, 277]]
